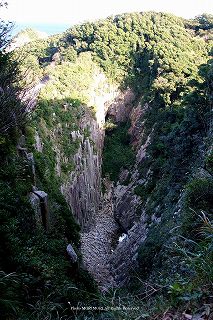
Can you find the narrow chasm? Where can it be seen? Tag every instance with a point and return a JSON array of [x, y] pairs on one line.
[[97, 244], [106, 177], [109, 246]]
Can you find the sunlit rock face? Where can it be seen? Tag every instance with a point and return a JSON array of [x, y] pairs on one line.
[[25, 37], [82, 190]]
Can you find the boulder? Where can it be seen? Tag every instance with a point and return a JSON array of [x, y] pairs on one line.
[[45, 214], [71, 253], [35, 203]]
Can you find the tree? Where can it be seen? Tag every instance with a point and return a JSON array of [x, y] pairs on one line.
[[205, 21], [5, 28], [13, 101]]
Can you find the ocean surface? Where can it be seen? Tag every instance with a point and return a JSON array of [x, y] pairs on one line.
[[50, 29]]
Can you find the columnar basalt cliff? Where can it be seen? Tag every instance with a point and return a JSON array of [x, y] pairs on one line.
[[109, 260], [128, 212], [82, 189]]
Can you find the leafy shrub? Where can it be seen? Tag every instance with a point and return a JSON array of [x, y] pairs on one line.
[[140, 190], [200, 194], [195, 257], [117, 153], [148, 253], [10, 294]]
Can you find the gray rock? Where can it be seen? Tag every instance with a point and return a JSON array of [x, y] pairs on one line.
[[31, 161], [71, 253], [22, 141], [82, 190], [41, 194], [122, 105], [123, 176], [35, 203], [126, 205], [45, 214], [38, 142]]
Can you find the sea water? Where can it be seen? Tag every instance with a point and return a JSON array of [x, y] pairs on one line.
[[50, 29]]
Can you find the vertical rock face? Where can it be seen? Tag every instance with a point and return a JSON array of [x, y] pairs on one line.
[[39, 202], [83, 189], [122, 105], [127, 207], [45, 214], [35, 203], [123, 260], [109, 257], [126, 204]]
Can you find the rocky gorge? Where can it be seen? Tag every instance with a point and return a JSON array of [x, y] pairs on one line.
[[102, 217], [106, 187]]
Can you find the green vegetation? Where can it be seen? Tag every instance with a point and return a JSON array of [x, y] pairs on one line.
[[61, 104], [175, 252], [37, 279], [118, 153], [41, 274], [165, 60], [200, 194], [130, 45]]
